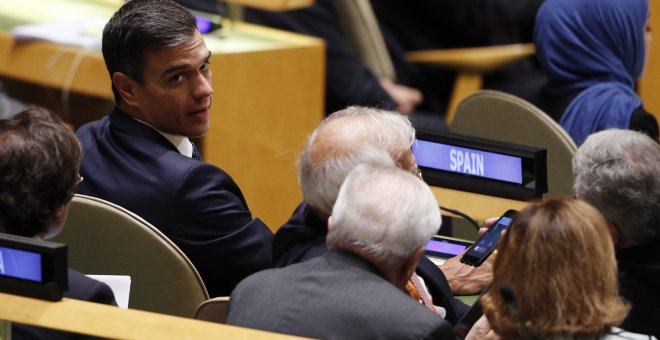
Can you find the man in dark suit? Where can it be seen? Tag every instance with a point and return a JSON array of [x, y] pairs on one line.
[[140, 156], [39, 160], [342, 141], [382, 220], [618, 172]]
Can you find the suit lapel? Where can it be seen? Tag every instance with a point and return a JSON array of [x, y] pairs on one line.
[[126, 124]]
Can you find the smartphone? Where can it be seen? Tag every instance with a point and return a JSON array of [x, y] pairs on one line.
[[484, 246]]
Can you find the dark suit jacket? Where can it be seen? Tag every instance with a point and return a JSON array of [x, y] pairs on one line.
[[639, 278], [303, 238], [335, 296], [81, 287], [197, 205]]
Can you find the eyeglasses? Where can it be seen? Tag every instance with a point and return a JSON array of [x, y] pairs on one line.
[[79, 180]]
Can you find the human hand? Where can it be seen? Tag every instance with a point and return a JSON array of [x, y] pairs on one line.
[[482, 330], [488, 223], [467, 280], [407, 98]]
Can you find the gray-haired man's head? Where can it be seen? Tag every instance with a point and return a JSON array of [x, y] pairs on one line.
[[345, 139], [618, 172]]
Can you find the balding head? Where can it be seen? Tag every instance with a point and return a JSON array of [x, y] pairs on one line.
[[345, 139]]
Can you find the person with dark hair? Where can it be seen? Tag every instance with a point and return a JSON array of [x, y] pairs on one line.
[[140, 156], [593, 53], [618, 172], [569, 287], [39, 160]]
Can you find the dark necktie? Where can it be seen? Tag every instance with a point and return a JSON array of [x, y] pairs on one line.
[[196, 155]]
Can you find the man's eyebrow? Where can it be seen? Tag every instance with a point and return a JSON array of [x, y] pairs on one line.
[[175, 68], [180, 67]]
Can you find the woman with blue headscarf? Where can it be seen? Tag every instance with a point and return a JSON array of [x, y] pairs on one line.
[[593, 52]]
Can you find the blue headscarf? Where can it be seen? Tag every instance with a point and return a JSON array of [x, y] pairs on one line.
[[596, 48]]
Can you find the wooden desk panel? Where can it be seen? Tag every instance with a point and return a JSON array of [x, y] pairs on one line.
[[274, 5], [256, 135], [649, 84], [479, 207], [56, 66], [111, 322]]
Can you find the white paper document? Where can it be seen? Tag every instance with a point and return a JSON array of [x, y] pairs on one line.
[[120, 285], [85, 33]]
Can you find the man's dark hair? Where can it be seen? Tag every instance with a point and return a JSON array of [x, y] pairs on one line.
[[141, 26], [39, 162]]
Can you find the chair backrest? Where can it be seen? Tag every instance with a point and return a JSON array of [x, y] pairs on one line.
[[500, 116], [104, 238], [214, 310]]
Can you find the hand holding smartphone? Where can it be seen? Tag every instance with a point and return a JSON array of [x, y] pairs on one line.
[[484, 246]]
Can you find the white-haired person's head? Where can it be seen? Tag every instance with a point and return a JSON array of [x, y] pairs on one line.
[[385, 215], [618, 172], [345, 139]]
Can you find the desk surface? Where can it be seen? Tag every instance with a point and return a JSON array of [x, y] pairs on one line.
[[479, 207], [26, 11], [115, 323], [81, 68]]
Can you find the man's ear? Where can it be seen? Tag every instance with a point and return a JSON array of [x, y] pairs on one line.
[[615, 232], [59, 217], [60, 213], [126, 87], [329, 223]]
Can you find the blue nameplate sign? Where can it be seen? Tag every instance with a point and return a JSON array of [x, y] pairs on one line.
[[33, 267], [480, 165]]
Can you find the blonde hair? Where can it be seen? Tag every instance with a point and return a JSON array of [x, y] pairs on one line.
[[559, 258]]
